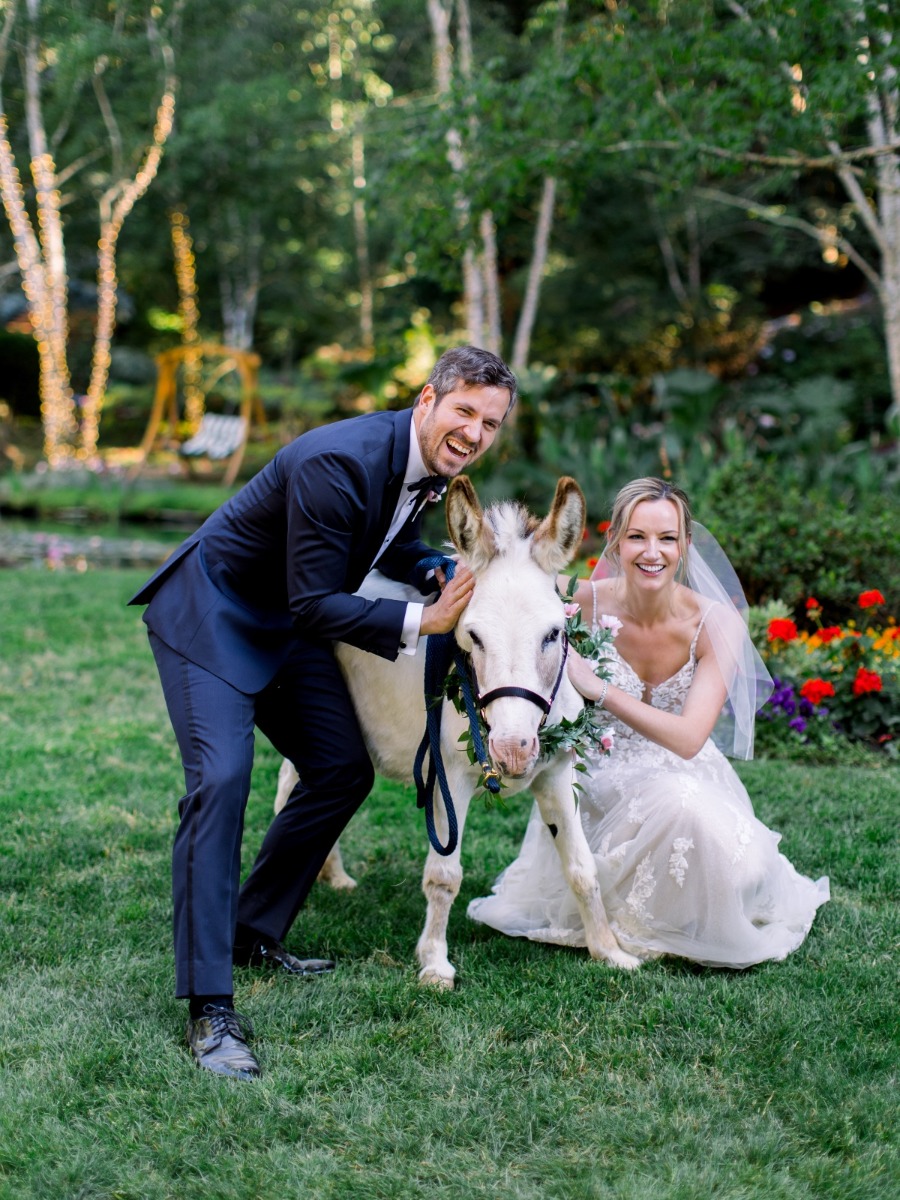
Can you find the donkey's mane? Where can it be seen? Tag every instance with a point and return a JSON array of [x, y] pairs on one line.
[[512, 526]]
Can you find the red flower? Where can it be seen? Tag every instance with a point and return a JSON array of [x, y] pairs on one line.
[[812, 603], [815, 690], [829, 633], [603, 526], [866, 681], [782, 630], [592, 562], [870, 599]]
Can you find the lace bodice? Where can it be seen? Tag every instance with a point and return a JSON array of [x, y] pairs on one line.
[[668, 696]]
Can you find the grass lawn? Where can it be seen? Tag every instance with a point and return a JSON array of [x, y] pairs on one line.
[[543, 1075]]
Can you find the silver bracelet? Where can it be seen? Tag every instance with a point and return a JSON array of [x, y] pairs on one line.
[[598, 703]]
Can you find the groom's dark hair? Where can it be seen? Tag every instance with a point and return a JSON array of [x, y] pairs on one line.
[[470, 366]]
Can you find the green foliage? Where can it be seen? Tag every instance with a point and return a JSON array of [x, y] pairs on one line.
[[543, 1075], [19, 373], [847, 347], [97, 498], [791, 541]]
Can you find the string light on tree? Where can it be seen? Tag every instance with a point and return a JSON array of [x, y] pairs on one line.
[[186, 277]]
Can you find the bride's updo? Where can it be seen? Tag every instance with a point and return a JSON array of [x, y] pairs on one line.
[[633, 494]]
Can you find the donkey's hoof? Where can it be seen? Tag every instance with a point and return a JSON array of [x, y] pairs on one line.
[[341, 882], [624, 960], [434, 977]]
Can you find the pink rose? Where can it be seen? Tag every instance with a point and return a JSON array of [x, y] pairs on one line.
[[607, 741]]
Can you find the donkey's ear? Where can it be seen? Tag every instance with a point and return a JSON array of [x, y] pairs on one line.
[[557, 538], [469, 532]]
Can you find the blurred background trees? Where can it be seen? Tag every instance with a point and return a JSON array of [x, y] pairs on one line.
[[682, 221]]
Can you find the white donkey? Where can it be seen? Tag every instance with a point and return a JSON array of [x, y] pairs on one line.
[[513, 629]]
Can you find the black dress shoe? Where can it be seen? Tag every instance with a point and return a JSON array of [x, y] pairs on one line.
[[266, 952], [218, 1042]]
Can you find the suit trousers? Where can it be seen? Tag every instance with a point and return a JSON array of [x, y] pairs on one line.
[[307, 715]]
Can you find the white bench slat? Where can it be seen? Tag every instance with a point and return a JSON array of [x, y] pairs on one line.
[[218, 437]]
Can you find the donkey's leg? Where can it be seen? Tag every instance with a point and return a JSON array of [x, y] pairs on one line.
[[556, 801], [441, 880], [287, 779], [332, 871]]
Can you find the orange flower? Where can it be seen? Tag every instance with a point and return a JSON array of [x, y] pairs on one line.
[[815, 690], [782, 630], [870, 599], [866, 681]]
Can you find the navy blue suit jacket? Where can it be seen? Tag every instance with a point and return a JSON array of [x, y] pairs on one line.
[[285, 554]]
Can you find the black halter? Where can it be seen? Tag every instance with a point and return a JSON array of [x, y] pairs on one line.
[[525, 693]]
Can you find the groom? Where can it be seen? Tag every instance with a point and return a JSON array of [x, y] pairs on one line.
[[242, 620]]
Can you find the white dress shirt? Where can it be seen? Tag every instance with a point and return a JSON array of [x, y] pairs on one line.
[[407, 504]]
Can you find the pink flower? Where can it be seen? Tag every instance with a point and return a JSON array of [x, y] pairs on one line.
[[611, 623], [607, 741], [571, 609]]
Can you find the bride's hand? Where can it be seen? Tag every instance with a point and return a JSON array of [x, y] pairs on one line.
[[582, 677]]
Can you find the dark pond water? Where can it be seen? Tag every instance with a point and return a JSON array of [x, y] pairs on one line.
[[80, 544]]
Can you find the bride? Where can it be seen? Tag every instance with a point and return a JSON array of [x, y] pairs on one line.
[[685, 866]]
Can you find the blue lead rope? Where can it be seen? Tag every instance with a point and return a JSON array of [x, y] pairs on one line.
[[439, 653]]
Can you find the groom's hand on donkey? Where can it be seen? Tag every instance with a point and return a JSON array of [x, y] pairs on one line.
[[456, 593]]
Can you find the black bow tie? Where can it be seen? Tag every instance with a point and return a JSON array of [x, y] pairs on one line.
[[430, 483]]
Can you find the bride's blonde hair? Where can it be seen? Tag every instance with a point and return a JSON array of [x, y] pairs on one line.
[[627, 500]]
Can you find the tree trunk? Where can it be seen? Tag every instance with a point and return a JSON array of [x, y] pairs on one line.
[[186, 279], [473, 284], [239, 284], [50, 307], [361, 229], [884, 130], [493, 333], [115, 206], [528, 313], [522, 343], [40, 252]]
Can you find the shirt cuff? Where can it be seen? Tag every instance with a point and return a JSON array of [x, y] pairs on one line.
[[409, 635]]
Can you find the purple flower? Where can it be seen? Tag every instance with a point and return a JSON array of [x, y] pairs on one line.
[[798, 723]]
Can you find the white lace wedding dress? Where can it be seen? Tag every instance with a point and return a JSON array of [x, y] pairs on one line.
[[685, 867]]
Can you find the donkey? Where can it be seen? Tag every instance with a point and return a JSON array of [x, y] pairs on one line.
[[513, 629]]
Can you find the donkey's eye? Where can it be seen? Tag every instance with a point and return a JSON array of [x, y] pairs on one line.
[[552, 636], [476, 640]]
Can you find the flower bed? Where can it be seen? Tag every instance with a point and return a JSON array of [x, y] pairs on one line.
[[832, 681]]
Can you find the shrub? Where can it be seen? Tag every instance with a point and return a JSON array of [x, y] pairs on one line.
[[786, 541]]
